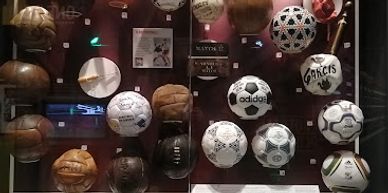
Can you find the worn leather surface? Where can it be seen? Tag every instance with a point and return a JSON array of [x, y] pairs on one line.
[[128, 174], [34, 28], [249, 16], [74, 171], [32, 79], [28, 135], [172, 102], [176, 156]]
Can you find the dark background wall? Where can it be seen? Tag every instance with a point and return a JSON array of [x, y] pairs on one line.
[[5, 54], [373, 90]]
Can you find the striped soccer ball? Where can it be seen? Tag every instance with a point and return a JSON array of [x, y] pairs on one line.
[[345, 171]]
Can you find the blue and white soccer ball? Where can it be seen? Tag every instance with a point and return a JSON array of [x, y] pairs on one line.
[[273, 145], [340, 122], [249, 97], [224, 144], [128, 113], [345, 171]]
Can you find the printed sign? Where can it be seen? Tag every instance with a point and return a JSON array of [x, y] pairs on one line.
[[210, 67], [209, 49], [209, 59], [152, 48]]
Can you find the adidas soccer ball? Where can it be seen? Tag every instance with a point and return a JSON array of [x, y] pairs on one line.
[[273, 145], [208, 11], [345, 171], [224, 144], [128, 113], [340, 122], [249, 97], [169, 5], [293, 29]]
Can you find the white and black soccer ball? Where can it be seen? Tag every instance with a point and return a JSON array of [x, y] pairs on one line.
[[321, 74], [168, 5], [293, 29], [224, 144], [345, 171], [273, 145], [340, 122], [249, 97], [207, 11], [128, 113]]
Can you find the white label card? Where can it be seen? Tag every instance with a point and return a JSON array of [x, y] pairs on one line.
[[84, 147], [233, 188], [88, 21], [168, 17], [124, 15], [60, 80]]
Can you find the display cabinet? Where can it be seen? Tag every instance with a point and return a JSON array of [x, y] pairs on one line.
[[191, 96]]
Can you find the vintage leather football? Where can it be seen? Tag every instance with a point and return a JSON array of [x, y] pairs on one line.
[[172, 102], [34, 28], [31, 80], [74, 171], [176, 156], [28, 135], [249, 16], [128, 174]]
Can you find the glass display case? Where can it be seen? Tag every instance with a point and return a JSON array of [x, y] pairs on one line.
[[202, 96]]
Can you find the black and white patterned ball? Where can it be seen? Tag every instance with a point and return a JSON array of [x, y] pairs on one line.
[[224, 144], [293, 29]]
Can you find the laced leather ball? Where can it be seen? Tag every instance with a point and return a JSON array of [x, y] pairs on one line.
[[28, 135], [30, 80], [172, 102], [128, 174], [249, 16], [34, 28], [176, 156], [74, 171]]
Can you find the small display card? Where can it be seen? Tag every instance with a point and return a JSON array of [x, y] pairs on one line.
[[152, 48]]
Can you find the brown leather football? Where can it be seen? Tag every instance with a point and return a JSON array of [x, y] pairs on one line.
[[172, 102], [74, 171], [34, 28], [249, 16], [30, 79], [28, 135], [128, 174]]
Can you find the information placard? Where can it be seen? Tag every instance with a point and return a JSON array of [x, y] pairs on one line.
[[152, 48]]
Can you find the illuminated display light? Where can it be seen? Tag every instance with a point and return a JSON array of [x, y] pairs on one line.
[[96, 42]]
